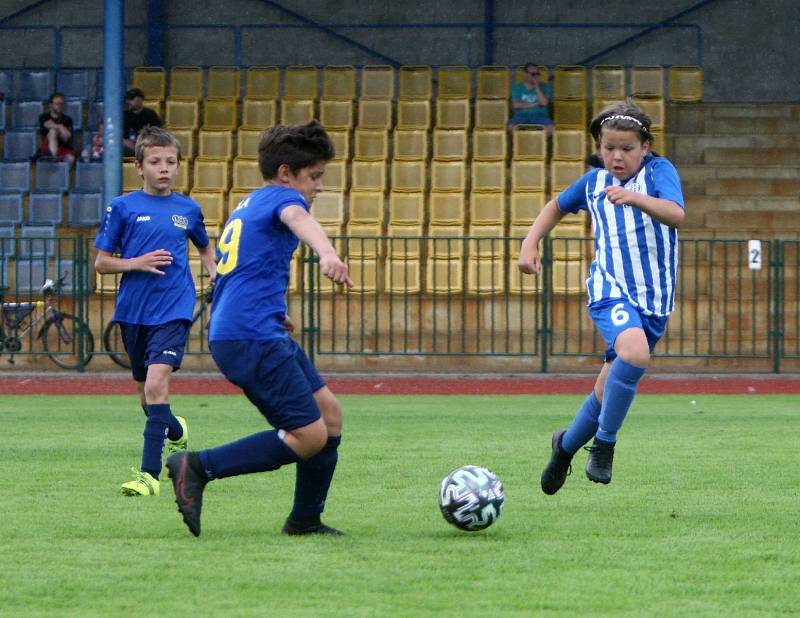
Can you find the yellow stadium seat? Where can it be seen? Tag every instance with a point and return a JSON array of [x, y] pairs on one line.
[[339, 82], [570, 83], [489, 144], [377, 82], [608, 81], [416, 82], [405, 241], [491, 113], [210, 175], [336, 114], [487, 208], [259, 114], [567, 240], [247, 141], [368, 175], [413, 114], [215, 145], [236, 197], [131, 181], [341, 143], [186, 138], [570, 114], [647, 80], [653, 107], [443, 276], [448, 176], [486, 241], [446, 241], [530, 142], [598, 105], [107, 282], [408, 176], [564, 173], [685, 83], [406, 208], [528, 175], [224, 82], [212, 203], [453, 114], [329, 207], [186, 83], [157, 105], [455, 82], [569, 277], [364, 240], [364, 273], [485, 276], [519, 283], [300, 83], [152, 81], [493, 82], [220, 114], [366, 206], [489, 176], [335, 177], [569, 145], [659, 142], [181, 183], [263, 82], [410, 144], [526, 206], [447, 208], [371, 144], [182, 114], [297, 111], [246, 175], [374, 113], [402, 276], [450, 144]]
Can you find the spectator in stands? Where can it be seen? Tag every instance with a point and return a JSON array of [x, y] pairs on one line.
[[137, 117], [55, 128], [530, 99], [94, 150], [593, 161]]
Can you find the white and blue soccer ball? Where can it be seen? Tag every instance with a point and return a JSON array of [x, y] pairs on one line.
[[471, 498]]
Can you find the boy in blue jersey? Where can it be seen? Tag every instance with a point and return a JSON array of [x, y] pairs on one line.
[[149, 229], [249, 336], [636, 204]]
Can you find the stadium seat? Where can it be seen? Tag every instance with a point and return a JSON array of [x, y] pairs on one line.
[[246, 174], [447, 208], [563, 174], [406, 208], [20, 145], [52, 176], [247, 141], [446, 241], [364, 240], [489, 176], [598, 105], [7, 83], [448, 176], [653, 106], [2, 115], [182, 181], [338, 83], [8, 244], [529, 142], [10, 209], [37, 240], [34, 84], [297, 111], [487, 208], [410, 144], [408, 176], [685, 83], [85, 209], [215, 145], [329, 207], [569, 145], [25, 114], [449, 144], [570, 114], [3, 272], [489, 144], [453, 114], [485, 276], [210, 175], [519, 283], [570, 83], [368, 175], [152, 81], [336, 114], [220, 114], [659, 142], [236, 197], [377, 82], [402, 275], [73, 83], [95, 114], [186, 137], [416, 82], [528, 175], [371, 144], [263, 83], [567, 239], [74, 109], [413, 114], [131, 181], [455, 82], [182, 114], [493, 82], [405, 241], [364, 273], [569, 277], [444, 276], [608, 81], [224, 82], [335, 177], [525, 206], [491, 113], [259, 114], [185, 83], [212, 203], [366, 206], [374, 113], [486, 242], [300, 82], [30, 273], [647, 80], [45, 209], [15, 176], [341, 143]]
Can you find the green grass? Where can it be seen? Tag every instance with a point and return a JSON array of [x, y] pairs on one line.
[[700, 519]]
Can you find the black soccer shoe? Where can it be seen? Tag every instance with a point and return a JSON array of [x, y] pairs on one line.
[[558, 468], [598, 466], [188, 481], [294, 528]]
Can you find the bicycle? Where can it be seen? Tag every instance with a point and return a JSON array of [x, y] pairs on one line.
[[59, 332], [112, 335]]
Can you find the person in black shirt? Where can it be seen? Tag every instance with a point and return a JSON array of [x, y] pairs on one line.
[[55, 129], [137, 117]]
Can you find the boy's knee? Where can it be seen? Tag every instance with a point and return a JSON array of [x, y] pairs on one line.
[[331, 411]]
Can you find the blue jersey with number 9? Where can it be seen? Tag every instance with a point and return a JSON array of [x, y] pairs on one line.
[[255, 252]]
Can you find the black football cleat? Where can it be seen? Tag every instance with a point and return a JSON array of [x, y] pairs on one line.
[[188, 481], [558, 468], [598, 465], [293, 528]]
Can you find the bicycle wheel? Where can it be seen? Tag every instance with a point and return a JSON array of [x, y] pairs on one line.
[[60, 340], [112, 342]]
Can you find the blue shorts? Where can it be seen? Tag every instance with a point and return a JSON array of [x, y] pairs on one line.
[[613, 315], [154, 345], [277, 377]]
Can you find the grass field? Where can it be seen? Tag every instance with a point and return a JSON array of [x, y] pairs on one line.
[[701, 518]]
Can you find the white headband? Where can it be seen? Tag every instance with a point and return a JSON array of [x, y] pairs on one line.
[[621, 117]]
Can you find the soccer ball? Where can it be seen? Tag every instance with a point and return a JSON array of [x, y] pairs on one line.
[[471, 498]]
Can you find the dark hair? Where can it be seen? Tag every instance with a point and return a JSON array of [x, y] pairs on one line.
[[622, 117], [54, 95], [133, 93], [528, 65], [296, 145], [151, 136], [594, 160]]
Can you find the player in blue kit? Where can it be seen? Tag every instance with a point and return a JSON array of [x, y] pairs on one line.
[[156, 296], [636, 205], [249, 336]]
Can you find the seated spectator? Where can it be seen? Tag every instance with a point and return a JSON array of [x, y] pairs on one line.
[[530, 99], [592, 161], [94, 151], [136, 118], [55, 128]]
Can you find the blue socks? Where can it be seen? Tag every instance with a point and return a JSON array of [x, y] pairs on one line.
[[583, 426], [175, 430], [256, 453], [314, 477], [618, 394], [155, 430]]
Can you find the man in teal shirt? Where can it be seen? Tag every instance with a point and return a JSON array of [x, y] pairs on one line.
[[530, 99]]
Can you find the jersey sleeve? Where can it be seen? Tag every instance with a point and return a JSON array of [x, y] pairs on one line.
[[292, 198], [573, 198], [112, 227], [666, 181], [198, 234]]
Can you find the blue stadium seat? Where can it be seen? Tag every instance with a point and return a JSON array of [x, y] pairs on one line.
[[25, 114], [15, 176], [88, 177], [3, 273], [52, 176], [45, 209], [63, 268], [8, 245], [2, 116], [30, 273], [20, 146], [99, 84], [85, 209], [74, 109], [73, 83], [37, 240], [10, 208], [34, 84], [7, 83], [95, 114]]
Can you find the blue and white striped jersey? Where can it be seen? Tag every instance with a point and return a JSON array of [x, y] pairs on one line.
[[636, 257]]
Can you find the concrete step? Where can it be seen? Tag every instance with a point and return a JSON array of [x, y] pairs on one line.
[[700, 117], [690, 148], [752, 156], [753, 186], [695, 178], [763, 222], [757, 125]]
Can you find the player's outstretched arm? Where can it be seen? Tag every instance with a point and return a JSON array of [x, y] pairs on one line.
[[530, 262], [306, 228], [208, 258], [107, 264]]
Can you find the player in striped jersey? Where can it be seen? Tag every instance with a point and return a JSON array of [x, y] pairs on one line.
[[636, 205]]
